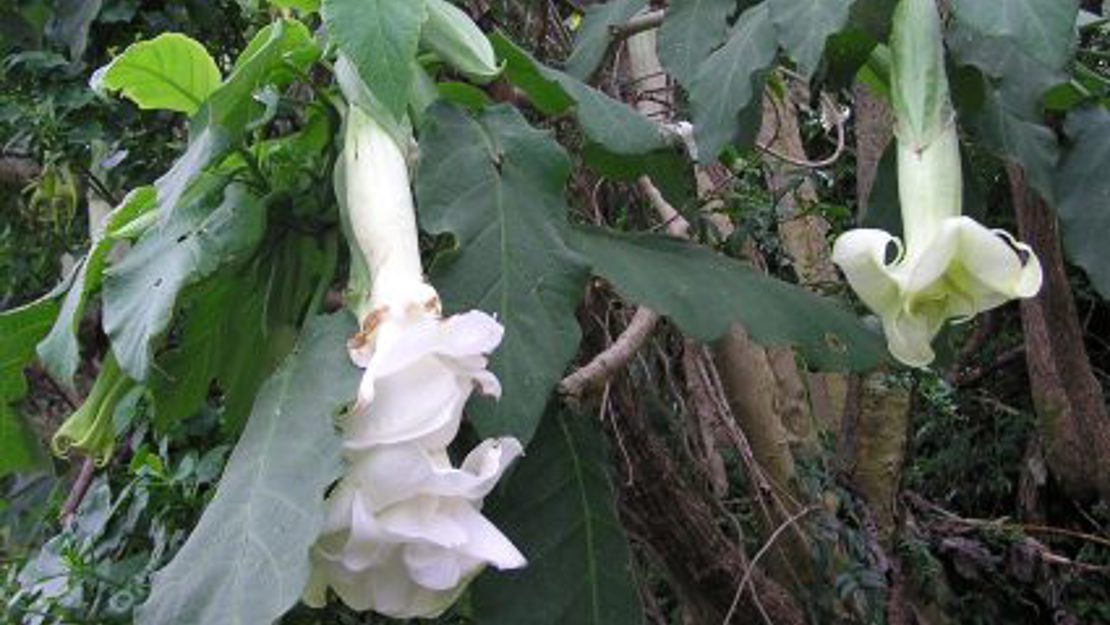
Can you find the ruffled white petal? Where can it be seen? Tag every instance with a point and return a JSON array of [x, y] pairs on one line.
[[404, 532]]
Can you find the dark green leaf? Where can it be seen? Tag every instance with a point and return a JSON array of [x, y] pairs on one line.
[[613, 124], [729, 81], [71, 22], [496, 185], [558, 509], [1043, 29], [20, 329], [247, 560], [380, 37], [705, 292], [1013, 138], [690, 31], [805, 25], [621, 144], [19, 447], [59, 351], [181, 380], [213, 226], [172, 72], [594, 35], [1083, 194]]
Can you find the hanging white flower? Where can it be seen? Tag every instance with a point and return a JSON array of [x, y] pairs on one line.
[[404, 532], [950, 267]]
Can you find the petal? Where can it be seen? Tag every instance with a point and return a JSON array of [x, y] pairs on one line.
[[393, 473], [973, 269], [861, 255], [421, 519], [472, 332], [422, 399], [367, 544], [435, 567], [909, 337], [485, 542]]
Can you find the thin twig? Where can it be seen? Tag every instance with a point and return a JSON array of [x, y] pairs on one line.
[[613, 359], [758, 555]]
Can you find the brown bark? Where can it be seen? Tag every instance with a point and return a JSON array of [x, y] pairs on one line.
[[874, 130], [679, 523], [1070, 406]]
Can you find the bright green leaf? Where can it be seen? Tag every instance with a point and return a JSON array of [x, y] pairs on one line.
[[223, 121], [214, 226], [304, 6], [171, 72], [690, 31], [496, 185], [705, 292], [381, 38], [805, 25], [729, 81], [558, 508], [592, 40], [1083, 194], [247, 560]]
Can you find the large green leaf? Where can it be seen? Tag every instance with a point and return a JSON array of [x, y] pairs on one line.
[[690, 31], [1083, 195], [171, 72], [705, 292], [59, 351], [20, 330], [1031, 145], [592, 41], [558, 509], [608, 122], [19, 447], [224, 119], [622, 143], [729, 81], [381, 38], [496, 185], [215, 225], [805, 25], [1043, 29], [247, 560]]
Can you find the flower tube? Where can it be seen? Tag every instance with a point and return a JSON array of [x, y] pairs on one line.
[[404, 533], [950, 267]]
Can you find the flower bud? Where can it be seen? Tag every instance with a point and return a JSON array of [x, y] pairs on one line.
[[451, 34]]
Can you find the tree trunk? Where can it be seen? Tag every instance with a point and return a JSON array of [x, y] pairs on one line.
[[1071, 409]]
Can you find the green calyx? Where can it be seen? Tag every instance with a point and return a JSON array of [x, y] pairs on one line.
[[90, 428]]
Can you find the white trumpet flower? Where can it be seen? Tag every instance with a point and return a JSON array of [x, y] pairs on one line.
[[950, 267], [404, 532]]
